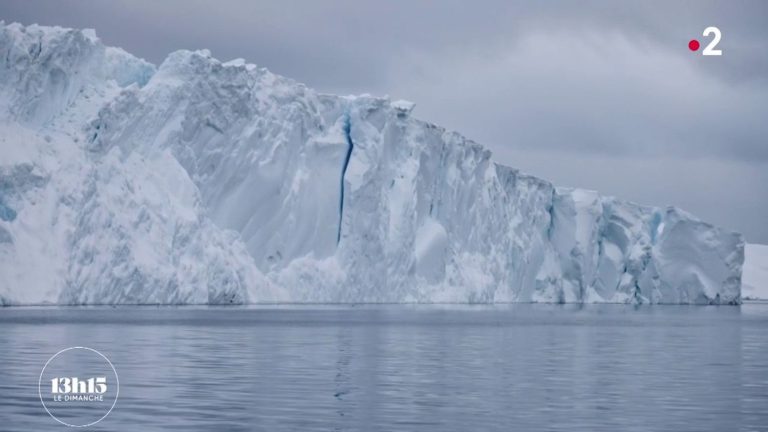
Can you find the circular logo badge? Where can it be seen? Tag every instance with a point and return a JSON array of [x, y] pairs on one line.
[[78, 386]]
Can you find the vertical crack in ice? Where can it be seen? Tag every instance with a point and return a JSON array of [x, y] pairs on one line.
[[551, 211], [347, 128], [600, 252], [6, 212], [654, 226], [601, 223]]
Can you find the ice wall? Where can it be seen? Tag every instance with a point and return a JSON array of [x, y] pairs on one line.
[[204, 181]]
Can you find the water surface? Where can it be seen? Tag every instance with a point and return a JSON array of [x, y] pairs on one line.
[[402, 368]]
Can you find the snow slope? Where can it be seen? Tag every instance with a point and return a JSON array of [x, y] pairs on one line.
[[755, 279], [207, 182]]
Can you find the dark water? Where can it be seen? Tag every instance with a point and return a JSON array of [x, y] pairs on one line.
[[401, 368]]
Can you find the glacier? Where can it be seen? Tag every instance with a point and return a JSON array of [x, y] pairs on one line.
[[754, 281], [206, 182]]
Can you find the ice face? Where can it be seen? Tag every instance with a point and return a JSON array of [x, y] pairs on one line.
[[210, 182], [755, 278]]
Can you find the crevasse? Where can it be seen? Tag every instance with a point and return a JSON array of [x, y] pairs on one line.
[[347, 129]]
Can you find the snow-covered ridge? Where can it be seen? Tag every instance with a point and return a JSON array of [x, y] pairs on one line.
[[207, 182]]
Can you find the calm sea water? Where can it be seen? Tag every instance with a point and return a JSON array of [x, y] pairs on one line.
[[403, 368]]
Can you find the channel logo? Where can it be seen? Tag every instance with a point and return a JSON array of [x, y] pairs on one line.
[[78, 386], [710, 49], [74, 388]]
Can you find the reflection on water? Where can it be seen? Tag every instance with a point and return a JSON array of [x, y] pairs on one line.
[[441, 368]]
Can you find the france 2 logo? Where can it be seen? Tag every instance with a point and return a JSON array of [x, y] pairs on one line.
[[709, 50]]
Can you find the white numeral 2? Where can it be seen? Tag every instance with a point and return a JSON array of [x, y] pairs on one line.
[[710, 49]]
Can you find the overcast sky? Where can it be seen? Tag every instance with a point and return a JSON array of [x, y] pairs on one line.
[[591, 94]]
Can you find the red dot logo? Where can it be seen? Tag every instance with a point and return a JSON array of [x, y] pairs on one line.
[[693, 45]]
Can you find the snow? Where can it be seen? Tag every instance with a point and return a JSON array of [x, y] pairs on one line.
[[207, 182], [755, 277], [403, 107], [430, 250]]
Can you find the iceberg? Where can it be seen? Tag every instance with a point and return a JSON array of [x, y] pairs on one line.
[[755, 273], [208, 182]]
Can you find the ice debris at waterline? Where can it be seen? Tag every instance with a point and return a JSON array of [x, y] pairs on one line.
[[207, 182]]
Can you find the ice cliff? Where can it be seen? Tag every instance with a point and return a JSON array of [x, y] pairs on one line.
[[207, 182]]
